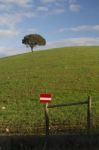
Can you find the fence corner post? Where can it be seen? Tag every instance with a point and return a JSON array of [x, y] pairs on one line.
[[89, 115], [46, 119]]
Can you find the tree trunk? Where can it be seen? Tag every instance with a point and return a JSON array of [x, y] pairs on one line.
[[32, 49]]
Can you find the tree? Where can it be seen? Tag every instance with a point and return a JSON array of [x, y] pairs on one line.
[[32, 40]]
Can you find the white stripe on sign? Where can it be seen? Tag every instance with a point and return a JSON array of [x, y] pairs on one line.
[[45, 98]]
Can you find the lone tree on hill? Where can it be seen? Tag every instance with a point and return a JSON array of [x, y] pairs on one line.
[[32, 40]]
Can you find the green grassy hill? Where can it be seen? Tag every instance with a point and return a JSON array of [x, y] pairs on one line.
[[70, 74]]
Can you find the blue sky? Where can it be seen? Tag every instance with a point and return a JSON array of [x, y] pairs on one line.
[[60, 22]]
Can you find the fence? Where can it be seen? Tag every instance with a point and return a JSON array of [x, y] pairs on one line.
[[87, 102], [51, 125]]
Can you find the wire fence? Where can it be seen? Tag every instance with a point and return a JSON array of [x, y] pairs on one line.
[[73, 120]]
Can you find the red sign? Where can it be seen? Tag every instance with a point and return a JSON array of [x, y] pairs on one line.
[[45, 98]]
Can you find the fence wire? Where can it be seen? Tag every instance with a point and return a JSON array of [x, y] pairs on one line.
[[62, 120]]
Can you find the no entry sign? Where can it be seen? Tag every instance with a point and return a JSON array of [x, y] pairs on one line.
[[45, 97]]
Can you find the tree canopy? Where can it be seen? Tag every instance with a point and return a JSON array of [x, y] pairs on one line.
[[32, 40]]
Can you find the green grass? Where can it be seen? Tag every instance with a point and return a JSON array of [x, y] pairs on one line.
[[70, 74]]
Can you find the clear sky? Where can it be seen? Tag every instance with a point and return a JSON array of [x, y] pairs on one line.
[[60, 22]]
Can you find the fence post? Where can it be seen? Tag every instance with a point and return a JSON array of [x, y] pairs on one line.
[[46, 119], [89, 115]]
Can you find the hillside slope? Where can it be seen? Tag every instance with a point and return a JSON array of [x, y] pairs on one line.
[[70, 74]]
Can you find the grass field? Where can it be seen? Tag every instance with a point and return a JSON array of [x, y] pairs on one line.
[[70, 74]]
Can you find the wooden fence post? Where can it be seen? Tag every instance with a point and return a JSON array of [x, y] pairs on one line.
[[46, 119], [89, 115]]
